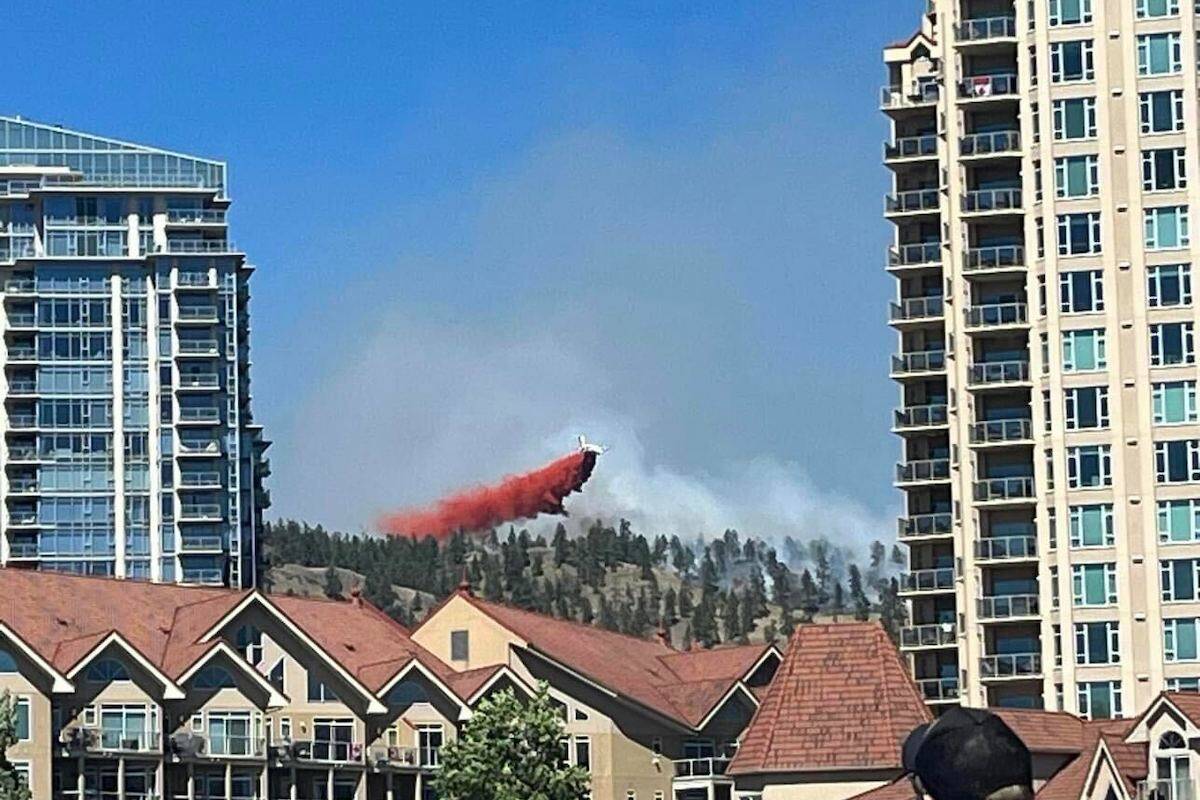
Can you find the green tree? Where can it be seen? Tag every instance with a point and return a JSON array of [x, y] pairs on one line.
[[510, 750], [858, 596], [12, 786], [732, 618], [333, 584]]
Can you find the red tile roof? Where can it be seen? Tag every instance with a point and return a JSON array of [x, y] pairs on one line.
[[1068, 783], [1045, 731], [899, 789], [684, 687], [842, 698]]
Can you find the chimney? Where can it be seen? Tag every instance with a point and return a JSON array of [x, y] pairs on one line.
[[664, 635], [464, 583], [356, 597]]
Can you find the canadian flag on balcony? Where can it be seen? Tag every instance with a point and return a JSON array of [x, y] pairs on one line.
[[981, 86]]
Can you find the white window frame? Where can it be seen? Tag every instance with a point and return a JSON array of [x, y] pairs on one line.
[[1158, 395], [1174, 46], [1084, 697], [1142, 9], [1154, 285], [1092, 163], [1151, 218], [1170, 635], [1099, 344], [1077, 585], [1087, 56], [1150, 169], [1058, 110], [1166, 579], [1094, 242], [1055, 15], [1145, 108], [1071, 405], [1076, 525], [1157, 344], [1075, 456], [1162, 468], [1164, 509], [1112, 633]]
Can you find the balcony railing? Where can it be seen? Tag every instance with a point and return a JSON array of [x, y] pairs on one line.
[[927, 361], [200, 511], [1168, 790], [916, 94], [1001, 430], [1003, 548], [21, 353], [980, 30], [204, 347], [23, 485], [208, 216], [206, 447], [999, 372], [185, 246], [23, 550], [997, 489], [197, 414], [938, 690], [908, 255], [200, 380], [986, 144], [195, 280], [21, 319], [930, 469], [981, 200], [912, 201], [22, 421], [18, 386], [914, 308], [112, 740], [203, 577], [196, 544], [996, 314], [1007, 606], [935, 635], [914, 525], [922, 416], [199, 480], [911, 147], [980, 258], [927, 580], [1014, 665], [701, 767], [198, 313], [980, 87]]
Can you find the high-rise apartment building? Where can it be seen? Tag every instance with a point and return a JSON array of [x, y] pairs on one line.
[[1041, 155], [129, 446]]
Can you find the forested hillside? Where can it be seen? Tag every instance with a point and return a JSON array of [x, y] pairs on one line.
[[728, 589]]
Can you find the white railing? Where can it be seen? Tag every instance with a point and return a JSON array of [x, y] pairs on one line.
[[999, 372], [981, 258], [912, 254], [1008, 605], [927, 580], [1002, 548], [916, 94], [996, 314], [925, 525], [1168, 790], [911, 201], [922, 416], [701, 767], [911, 147], [993, 489], [1015, 665], [1001, 430], [927, 361], [929, 469], [981, 200], [995, 142], [978, 87], [978, 30]]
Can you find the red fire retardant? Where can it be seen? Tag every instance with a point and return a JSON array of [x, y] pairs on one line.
[[516, 497]]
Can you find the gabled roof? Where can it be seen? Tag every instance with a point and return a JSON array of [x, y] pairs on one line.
[[684, 687], [842, 698], [1047, 731]]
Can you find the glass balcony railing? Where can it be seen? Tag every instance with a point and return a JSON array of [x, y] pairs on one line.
[[931, 469], [927, 361], [210, 576], [928, 580], [980, 258], [914, 525], [23, 485], [18, 352], [22, 421], [1000, 489], [201, 511], [200, 380], [701, 767], [939, 690], [1001, 430], [993, 143], [978, 201], [199, 480], [922, 416], [915, 308], [22, 319], [197, 414], [982, 87], [982, 30], [198, 347], [186, 246], [198, 313], [909, 255], [205, 447], [995, 315], [999, 372], [23, 550], [1014, 665], [1007, 606], [911, 147], [934, 635], [1005, 548], [189, 543], [912, 201], [915, 94], [204, 216]]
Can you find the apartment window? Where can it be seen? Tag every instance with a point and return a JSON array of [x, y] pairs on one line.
[[1100, 699], [1052, 526], [1072, 61], [1086, 407], [1174, 402], [1169, 285], [429, 744], [333, 738], [1166, 228], [1161, 112], [1094, 584], [1081, 291], [1037, 181], [22, 722], [1171, 344], [1084, 351], [1183, 684], [1097, 643], [1164, 169], [1092, 526], [285, 729], [583, 752], [1076, 176], [1070, 12], [1179, 578], [1178, 521], [1089, 466], [1039, 230], [1046, 410], [1150, 9], [1079, 234], [1054, 598], [1177, 461], [1036, 114], [1159, 53], [460, 645], [1049, 469], [1074, 118], [1179, 639]]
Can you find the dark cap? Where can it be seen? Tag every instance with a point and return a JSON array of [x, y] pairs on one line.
[[966, 754]]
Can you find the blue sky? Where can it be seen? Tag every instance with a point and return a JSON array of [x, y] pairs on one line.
[[481, 226]]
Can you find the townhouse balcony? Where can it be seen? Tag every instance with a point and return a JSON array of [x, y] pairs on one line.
[[939, 690], [1007, 606], [1004, 490], [407, 758], [996, 315], [1006, 548], [1001, 431], [987, 29], [199, 347], [207, 381], [979, 88], [911, 148], [922, 255], [196, 216], [141, 741], [919, 363], [191, 746], [921, 417], [1182, 789], [929, 470], [1016, 665], [917, 309], [999, 373], [196, 415], [986, 259], [924, 581], [320, 752], [916, 201], [927, 637], [915, 95], [919, 526], [701, 767], [197, 314], [992, 201], [989, 145]]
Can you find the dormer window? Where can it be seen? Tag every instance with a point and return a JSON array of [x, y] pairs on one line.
[[213, 677], [248, 641], [1172, 762], [106, 670]]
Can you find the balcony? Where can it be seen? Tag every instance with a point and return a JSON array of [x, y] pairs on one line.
[[992, 201], [201, 512], [999, 373], [13, 249], [1183, 789], [930, 470], [701, 767], [996, 315], [22, 319], [22, 386], [918, 309], [939, 690], [996, 143], [918, 637], [112, 740], [907, 148], [194, 280], [21, 422], [1018, 665], [21, 352], [927, 580], [325, 752], [1001, 431], [192, 246], [197, 415], [23, 485], [201, 544], [396, 757], [919, 363], [199, 447], [208, 576], [200, 480], [1006, 548], [1000, 490], [189, 746], [199, 380], [20, 286], [916, 95], [920, 255], [23, 551], [989, 29], [200, 314], [196, 216], [979, 88], [914, 417], [917, 201], [1008, 606], [23, 518], [22, 453], [1005, 257], [199, 347], [916, 526]]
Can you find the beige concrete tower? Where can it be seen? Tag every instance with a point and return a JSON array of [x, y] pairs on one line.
[[1041, 154]]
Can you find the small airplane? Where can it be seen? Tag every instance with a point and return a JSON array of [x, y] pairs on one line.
[[586, 447]]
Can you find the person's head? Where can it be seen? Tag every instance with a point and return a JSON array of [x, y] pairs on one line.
[[969, 754]]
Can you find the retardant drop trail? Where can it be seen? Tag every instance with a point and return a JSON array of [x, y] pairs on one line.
[[541, 491]]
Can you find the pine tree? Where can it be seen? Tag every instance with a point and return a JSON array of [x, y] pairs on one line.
[[858, 597], [686, 607], [838, 602], [892, 612], [704, 622], [748, 619], [586, 615], [333, 584], [606, 619], [809, 598], [670, 612], [732, 618], [12, 785], [560, 544], [641, 617]]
